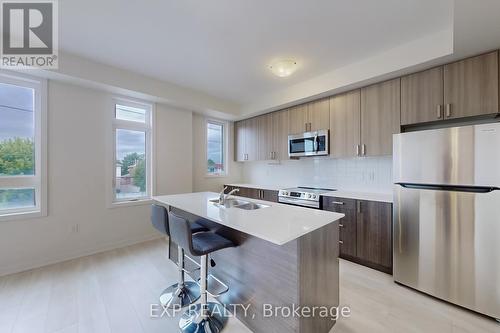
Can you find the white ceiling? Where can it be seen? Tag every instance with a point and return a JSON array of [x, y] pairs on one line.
[[223, 47]]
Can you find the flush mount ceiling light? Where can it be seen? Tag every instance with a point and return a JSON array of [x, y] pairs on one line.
[[283, 68]]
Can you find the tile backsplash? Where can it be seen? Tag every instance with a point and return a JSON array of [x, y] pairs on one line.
[[368, 174]]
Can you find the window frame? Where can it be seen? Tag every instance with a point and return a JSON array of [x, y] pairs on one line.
[[225, 136], [147, 127], [38, 181]]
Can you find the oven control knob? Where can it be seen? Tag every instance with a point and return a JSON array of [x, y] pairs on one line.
[[309, 196], [314, 196]]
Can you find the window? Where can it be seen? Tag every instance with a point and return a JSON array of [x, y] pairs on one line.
[[132, 166], [216, 145], [22, 148]]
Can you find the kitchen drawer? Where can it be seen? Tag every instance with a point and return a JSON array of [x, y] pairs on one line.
[[335, 204]]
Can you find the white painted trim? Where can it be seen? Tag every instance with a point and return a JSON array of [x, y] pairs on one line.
[[129, 203], [64, 256], [148, 128], [225, 134], [39, 179]]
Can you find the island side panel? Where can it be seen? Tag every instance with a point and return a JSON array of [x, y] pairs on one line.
[[257, 272], [319, 275]]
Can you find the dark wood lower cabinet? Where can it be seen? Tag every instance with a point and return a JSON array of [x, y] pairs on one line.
[[347, 226], [269, 195], [365, 231], [253, 193], [374, 233]]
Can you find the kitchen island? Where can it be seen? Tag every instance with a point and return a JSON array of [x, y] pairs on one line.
[[286, 257]]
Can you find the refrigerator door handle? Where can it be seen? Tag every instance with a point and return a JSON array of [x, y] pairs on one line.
[[450, 188]]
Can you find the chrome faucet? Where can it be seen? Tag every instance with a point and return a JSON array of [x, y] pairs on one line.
[[223, 197]]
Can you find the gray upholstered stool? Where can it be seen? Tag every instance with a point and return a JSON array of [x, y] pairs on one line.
[[204, 317], [183, 293]]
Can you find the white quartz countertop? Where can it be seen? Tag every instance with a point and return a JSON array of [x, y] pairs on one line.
[[359, 195], [278, 223]]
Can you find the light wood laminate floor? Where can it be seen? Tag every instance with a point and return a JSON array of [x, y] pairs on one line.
[[112, 292]]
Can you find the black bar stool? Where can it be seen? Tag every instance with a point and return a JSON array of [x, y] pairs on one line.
[[204, 317], [183, 293]]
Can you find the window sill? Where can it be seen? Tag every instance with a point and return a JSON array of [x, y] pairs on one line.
[[140, 202], [21, 216], [216, 176]]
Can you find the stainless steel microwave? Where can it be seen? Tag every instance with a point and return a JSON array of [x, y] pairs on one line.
[[308, 144]]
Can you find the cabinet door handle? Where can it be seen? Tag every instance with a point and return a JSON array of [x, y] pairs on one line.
[[439, 111], [338, 203], [341, 242], [448, 110], [359, 206], [363, 150], [357, 150], [341, 225]]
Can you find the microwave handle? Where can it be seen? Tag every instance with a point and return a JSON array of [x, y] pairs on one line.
[[316, 143]]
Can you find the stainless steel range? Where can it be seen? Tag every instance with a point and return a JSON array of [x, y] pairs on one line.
[[303, 196]]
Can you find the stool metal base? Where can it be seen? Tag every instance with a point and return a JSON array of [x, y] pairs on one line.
[[173, 297], [192, 322]]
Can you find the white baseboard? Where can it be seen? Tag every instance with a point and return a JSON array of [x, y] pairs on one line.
[[25, 266]]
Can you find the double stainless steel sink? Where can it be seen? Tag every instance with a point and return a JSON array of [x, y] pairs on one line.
[[236, 203]]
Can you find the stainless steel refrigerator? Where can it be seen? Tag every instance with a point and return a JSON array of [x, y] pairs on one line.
[[447, 214]]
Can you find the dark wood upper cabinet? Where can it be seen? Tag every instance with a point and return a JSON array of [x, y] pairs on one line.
[[345, 122], [318, 115], [471, 86], [246, 134], [374, 233], [380, 117], [265, 137], [298, 121], [252, 139], [310, 117], [362, 122], [422, 97], [240, 153], [280, 131], [465, 88]]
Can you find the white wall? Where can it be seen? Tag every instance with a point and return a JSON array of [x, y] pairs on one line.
[[77, 134], [202, 182], [356, 174], [174, 155]]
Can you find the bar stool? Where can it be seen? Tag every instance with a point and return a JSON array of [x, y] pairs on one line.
[[183, 293], [204, 317]]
